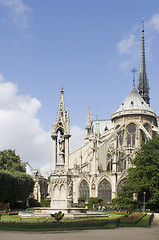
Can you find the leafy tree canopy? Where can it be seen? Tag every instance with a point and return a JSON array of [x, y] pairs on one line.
[[144, 176], [126, 203], [94, 201], [16, 185], [11, 162]]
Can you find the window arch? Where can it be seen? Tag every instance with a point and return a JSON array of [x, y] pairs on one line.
[[121, 184], [119, 138], [131, 134], [104, 190], [84, 190]]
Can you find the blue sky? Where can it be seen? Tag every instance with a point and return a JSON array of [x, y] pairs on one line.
[[87, 46]]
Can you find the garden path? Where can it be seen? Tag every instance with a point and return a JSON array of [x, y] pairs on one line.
[[155, 222]]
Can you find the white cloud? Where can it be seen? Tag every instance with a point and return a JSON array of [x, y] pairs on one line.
[[128, 49], [20, 13], [154, 22], [77, 138], [20, 128], [1, 78], [126, 45]]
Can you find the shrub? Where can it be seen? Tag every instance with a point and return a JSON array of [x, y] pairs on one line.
[[82, 199], [124, 203], [33, 203], [58, 216], [45, 203], [94, 201], [79, 205]]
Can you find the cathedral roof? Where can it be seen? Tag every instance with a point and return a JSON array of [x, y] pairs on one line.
[[133, 104], [134, 101]]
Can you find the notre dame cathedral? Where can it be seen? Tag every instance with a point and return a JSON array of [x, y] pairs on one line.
[[99, 168]]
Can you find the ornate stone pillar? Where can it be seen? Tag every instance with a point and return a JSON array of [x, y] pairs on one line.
[[54, 138], [67, 152]]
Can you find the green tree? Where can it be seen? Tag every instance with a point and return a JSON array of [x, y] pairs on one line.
[[11, 162], [125, 203], [16, 185], [94, 201], [144, 176]]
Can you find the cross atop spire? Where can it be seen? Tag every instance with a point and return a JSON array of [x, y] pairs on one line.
[[143, 86], [133, 71]]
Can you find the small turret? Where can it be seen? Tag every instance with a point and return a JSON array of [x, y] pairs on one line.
[[61, 108], [88, 127]]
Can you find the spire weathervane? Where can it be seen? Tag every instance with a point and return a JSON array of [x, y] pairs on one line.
[[133, 71]]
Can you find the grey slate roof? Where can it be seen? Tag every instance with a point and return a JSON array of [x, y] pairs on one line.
[[134, 102]]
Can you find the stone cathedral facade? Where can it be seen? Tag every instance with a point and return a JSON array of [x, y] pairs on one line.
[[99, 168]]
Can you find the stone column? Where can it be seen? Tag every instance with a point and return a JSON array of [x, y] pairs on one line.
[[67, 152], [54, 138], [115, 154], [114, 181]]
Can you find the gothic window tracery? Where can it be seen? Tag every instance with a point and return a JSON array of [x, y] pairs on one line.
[[121, 184], [131, 134], [119, 138], [104, 190], [84, 190]]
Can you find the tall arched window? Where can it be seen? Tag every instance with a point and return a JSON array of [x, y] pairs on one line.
[[104, 190], [131, 132], [121, 184], [84, 190], [119, 138]]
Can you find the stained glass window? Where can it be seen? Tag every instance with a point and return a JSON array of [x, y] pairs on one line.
[[131, 131], [104, 190], [121, 184], [84, 190]]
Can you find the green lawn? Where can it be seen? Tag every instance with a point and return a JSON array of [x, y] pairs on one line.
[[14, 222]]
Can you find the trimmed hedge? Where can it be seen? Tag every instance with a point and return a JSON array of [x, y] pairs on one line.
[[54, 226], [131, 220]]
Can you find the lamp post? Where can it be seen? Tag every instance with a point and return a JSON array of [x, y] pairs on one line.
[[144, 201]]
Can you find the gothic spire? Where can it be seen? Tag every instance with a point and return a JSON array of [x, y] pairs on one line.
[[143, 86], [89, 118], [61, 108], [88, 127]]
